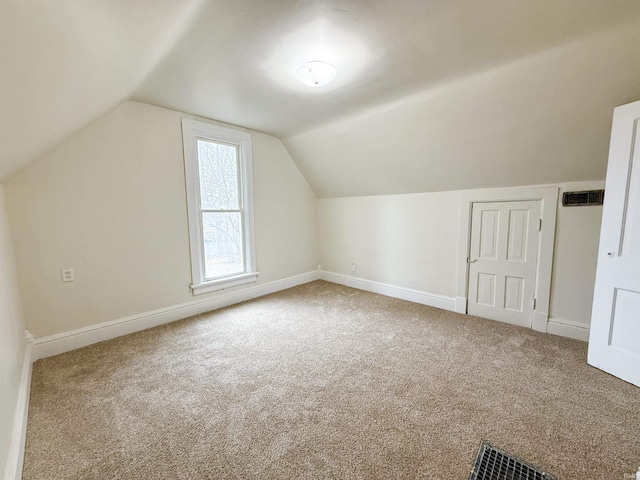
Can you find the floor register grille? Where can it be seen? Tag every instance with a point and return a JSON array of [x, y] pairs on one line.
[[494, 464]]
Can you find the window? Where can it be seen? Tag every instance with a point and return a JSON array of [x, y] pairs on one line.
[[219, 200]]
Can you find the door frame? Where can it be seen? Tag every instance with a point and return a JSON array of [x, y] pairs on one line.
[[548, 198]]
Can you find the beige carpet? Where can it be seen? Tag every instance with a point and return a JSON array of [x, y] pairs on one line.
[[323, 381]]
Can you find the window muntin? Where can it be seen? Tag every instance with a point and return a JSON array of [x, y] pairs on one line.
[[219, 175], [219, 198], [221, 209]]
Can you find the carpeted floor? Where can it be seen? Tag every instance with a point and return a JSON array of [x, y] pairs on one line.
[[324, 381]]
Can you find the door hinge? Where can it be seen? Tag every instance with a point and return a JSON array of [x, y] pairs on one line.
[[540, 225], [534, 303]]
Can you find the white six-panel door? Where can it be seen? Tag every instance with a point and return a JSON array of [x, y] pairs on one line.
[[503, 261], [614, 341]]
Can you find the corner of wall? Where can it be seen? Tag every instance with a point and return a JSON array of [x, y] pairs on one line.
[[15, 458]]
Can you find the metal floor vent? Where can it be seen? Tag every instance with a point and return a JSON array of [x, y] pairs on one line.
[[494, 464]]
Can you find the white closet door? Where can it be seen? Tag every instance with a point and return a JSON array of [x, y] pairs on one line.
[[503, 261]]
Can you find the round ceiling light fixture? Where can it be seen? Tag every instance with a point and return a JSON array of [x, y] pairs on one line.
[[316, 74]]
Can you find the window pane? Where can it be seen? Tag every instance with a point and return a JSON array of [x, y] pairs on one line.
[[218, 167], [222, 232]]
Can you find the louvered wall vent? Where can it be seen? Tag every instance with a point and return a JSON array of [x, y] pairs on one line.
[[581, 199]]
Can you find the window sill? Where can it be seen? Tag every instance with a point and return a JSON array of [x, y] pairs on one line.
[[222, 283]]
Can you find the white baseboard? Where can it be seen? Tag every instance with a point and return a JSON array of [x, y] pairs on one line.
[[461, 305], [67, 341], [541, 321], [16, 450], [417, 296], [568, 328]]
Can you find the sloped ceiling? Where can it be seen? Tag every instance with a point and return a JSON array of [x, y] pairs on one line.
[[540, 120], [66, 62], [63, 63], [236, 62]]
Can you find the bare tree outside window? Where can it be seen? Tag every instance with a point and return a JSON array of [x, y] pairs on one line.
[[218, 176], [221, 209]]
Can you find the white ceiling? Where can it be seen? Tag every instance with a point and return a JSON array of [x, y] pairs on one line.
[[237, 60], [65, 62], [543, 119]]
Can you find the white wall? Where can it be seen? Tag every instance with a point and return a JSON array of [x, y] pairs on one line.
[[12, 337], [405, 240], [411, 241], [110, 203], [575, 258]]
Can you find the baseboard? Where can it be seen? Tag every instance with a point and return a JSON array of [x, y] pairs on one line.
[[417, 296], [461, 305], [541, 321], [16, 450], [567, 328], [67, 341]]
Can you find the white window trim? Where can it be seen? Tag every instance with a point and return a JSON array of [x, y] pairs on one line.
[[193, 129]]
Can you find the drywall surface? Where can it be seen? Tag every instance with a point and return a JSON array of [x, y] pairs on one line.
[[66, 63], [411, 241], [575, 258], [541, 120], [110, 203], [12, 336], [405, 240]]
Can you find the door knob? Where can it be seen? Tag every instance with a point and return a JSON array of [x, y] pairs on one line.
[[610, 254], [471, 260]]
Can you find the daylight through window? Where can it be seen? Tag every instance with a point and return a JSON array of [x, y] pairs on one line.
[[218, 169]]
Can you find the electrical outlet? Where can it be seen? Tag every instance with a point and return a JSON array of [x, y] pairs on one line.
[[353, 267], [67, 274]]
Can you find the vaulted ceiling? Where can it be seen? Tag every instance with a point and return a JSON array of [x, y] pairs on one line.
[[63, 63]]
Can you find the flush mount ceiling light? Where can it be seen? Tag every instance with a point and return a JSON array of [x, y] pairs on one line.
[[316, 74]]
